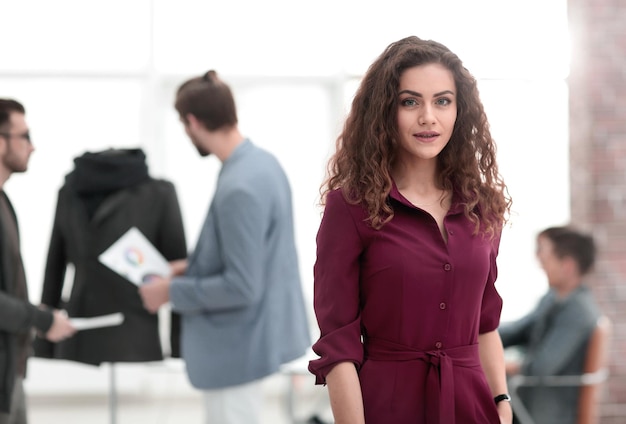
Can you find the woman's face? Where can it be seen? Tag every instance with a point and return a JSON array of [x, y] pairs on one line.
[[427, 111]]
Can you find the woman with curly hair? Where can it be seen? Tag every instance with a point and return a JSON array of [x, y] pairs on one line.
[[405, 274]]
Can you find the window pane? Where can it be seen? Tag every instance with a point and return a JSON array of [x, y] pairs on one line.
[[533, 151], [281, 37], [65, 36]]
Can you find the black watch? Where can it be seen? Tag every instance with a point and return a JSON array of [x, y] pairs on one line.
[[502, 397]]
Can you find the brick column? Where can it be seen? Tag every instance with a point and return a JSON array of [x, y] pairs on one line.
[[597, 84]]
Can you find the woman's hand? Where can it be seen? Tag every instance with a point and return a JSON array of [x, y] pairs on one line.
[[505, 412]]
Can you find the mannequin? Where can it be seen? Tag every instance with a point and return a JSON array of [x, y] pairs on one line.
[[107, 193]]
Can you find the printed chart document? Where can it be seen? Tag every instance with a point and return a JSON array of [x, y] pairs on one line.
[[135, 258], [97, 322]]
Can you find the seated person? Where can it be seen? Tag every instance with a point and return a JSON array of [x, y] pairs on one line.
[[555, 335]]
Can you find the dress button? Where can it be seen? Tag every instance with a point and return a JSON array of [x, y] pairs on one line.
[[447, 267], [438, 345], [442, 305]]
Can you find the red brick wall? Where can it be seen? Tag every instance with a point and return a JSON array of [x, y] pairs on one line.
[[597, 85]]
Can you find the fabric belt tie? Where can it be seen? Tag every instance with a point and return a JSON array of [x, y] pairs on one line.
[[440, 374]]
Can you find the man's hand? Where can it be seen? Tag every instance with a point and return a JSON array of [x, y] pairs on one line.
[[61, 328], [155, 293], [178, 266]]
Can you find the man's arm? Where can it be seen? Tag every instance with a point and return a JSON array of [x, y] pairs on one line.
[[237, 234], [517, 333], [17, 316]]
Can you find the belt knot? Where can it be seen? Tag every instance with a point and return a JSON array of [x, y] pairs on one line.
[[440, 375]]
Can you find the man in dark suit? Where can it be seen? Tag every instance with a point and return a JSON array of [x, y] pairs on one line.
[[555, 335], [17, 315]]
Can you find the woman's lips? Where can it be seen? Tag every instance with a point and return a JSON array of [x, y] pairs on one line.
[[426, 136]]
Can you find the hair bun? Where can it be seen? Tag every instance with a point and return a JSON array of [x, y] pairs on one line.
[[210, 75]]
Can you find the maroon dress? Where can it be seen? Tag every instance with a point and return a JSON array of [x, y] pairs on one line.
[[406, 308]]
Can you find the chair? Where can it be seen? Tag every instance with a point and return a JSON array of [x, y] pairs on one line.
[[595, 372]]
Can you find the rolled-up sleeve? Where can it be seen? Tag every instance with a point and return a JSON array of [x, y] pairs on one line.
[[492, 302], [336, 288]]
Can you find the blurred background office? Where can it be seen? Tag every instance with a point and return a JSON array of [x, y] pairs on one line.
[[102, 74]]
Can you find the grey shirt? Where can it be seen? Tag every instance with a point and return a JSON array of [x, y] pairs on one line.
[[554, 337]]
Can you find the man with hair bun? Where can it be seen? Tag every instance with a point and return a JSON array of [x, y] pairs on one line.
[[239, 293]]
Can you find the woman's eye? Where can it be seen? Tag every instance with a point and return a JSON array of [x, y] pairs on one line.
[[409, 102], [443, 101]]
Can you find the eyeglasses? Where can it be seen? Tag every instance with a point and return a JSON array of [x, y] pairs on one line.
[[25, 136]]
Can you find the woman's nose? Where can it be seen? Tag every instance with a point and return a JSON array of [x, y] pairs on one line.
[[426, 115]]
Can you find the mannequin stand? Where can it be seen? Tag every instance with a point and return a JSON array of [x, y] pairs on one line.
[[112, 394]]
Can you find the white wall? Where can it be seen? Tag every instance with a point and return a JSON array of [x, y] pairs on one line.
[[102, 74]]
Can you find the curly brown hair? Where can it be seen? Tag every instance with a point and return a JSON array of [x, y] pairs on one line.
[[366, 148]]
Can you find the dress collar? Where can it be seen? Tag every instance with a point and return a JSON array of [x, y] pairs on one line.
[[456, 206]]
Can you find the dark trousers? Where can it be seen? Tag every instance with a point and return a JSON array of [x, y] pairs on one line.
[[18, 405]]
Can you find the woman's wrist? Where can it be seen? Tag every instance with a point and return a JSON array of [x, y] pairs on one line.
[[504, 397]]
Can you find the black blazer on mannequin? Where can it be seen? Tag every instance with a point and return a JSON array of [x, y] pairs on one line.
[[108, 193]]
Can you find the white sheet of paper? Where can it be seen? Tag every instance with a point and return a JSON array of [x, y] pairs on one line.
[[135, 258], [97, 322]]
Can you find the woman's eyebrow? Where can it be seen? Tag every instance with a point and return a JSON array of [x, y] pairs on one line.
[[416, 94]]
